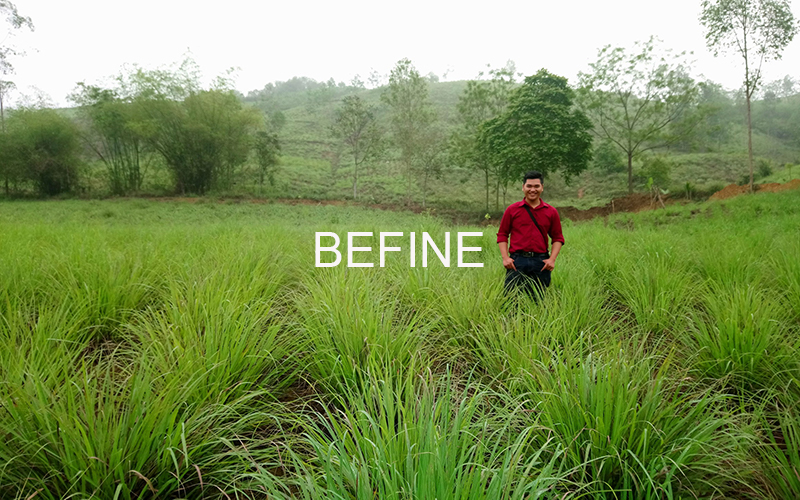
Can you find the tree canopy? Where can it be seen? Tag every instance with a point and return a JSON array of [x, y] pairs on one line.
[[354, 124], [758, 30], [540, 130], [481, 101], [411, 115], [639, 100]]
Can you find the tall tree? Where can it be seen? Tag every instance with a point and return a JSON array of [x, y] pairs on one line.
[[5, 88], [112, 134], [41, 146], [636, 99], [481, 101], [15, 21], [540, 130], [430, 160], [354, 124], [411, 115], [758, 30], [267, 148]]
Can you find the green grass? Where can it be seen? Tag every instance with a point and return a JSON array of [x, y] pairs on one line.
[[154, 349]]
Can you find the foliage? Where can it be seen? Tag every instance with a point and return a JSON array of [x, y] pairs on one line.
[[113, 136], [607, 158], [758, 30], [637, 100], [658, 168], [166, 349], [41, 146], [202, 139], [267, 148], [354, 124], [411, 114], [15, 21], [481, 100], [539, 130]]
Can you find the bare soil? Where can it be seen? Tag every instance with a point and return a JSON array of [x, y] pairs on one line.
[[733, 190], [636, 202]]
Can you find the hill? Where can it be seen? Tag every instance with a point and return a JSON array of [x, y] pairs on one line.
[[314, 166]]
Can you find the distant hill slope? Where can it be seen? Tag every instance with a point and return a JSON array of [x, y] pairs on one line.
[[309, 151]]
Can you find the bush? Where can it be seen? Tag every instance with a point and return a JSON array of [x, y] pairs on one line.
[[202, 139], [658, 169], [608, 159], [41, 146], [764, 168]]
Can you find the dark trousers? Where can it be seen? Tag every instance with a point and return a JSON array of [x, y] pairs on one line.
[[528, 277]]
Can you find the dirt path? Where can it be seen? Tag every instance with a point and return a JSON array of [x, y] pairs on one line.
[[636, 202]]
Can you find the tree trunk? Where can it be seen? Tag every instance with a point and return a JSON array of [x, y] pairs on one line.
[[749, 140], [487, 188], [3, 128], [424, 189], [355, 179], [749, 86], [630, 172]]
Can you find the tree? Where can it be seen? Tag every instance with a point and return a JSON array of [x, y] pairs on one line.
[[636, 100], [481, 101], [267, 148], [608, 158], [354, 124], [202, 135], [758, 30], [412, 114], [41, 146], [113, 136], [202, 138], [540, 130], [430, 159], [15, 21]]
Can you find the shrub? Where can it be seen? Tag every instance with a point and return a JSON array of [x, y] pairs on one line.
[[41, 146]]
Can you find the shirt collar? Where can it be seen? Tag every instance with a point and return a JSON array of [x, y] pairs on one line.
[[542, 204]]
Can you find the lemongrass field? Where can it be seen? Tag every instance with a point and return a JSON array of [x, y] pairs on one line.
[[155, 349]]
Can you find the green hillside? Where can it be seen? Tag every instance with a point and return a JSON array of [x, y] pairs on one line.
[[707, 161], [314, 165]]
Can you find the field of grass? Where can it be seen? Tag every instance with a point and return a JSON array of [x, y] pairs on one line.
[[176, 350]]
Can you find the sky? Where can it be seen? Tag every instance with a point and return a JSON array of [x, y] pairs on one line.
[[267, 41]]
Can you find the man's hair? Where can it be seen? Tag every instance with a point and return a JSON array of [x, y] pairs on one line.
[[533, 175]]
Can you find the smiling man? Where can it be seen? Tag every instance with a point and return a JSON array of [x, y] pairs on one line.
[[528, 223]]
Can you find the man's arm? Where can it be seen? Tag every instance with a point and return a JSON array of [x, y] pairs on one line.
[[502, 240], [557, 237], [508, 262]]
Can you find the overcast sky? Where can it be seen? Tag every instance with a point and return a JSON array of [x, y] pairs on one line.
[[87, 40]]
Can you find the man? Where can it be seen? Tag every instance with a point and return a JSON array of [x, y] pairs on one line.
[[528, 222]]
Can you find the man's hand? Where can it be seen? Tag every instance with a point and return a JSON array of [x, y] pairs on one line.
[[508, 263], [549, 264]]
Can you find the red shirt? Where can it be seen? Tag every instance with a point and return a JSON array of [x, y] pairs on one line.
[[525, 236]]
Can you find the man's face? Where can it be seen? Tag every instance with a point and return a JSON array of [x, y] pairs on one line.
[[532, 189]]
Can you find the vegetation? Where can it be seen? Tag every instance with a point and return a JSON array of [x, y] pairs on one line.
[[42, 147], [161, 132], [758, 30], [639, 101], [411, 117], [354, 124], [7, 51], [539, 130], [481, 101], [171, 349]]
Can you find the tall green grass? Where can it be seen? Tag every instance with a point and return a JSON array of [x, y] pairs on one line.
[[174, 350]]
